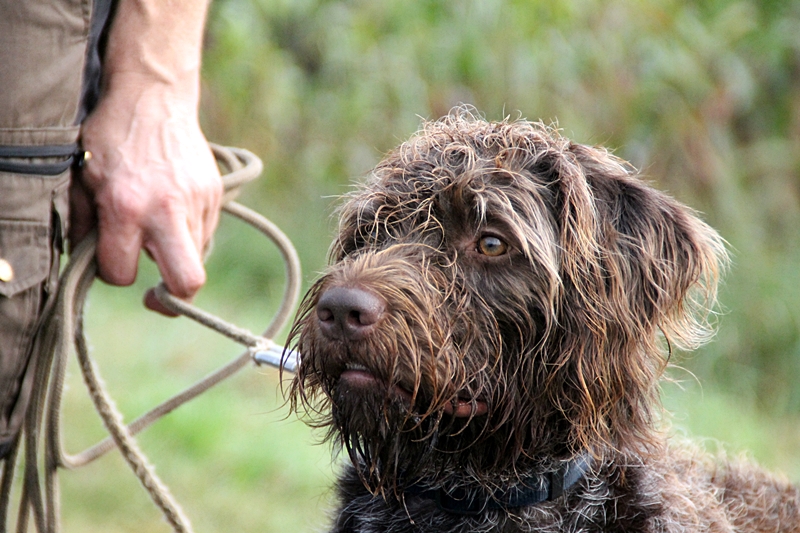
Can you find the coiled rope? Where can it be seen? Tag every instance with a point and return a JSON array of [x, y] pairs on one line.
[[62, 327]]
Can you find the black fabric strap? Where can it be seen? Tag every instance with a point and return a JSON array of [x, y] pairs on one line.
[[50, 150], [70, 152], [530, 491]]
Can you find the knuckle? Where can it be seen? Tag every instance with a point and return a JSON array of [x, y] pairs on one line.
[[128, 207], [170, 204]]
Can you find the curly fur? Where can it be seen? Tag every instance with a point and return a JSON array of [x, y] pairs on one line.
[[549, 349]]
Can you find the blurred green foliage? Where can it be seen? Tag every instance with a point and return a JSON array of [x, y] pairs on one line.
[[703, 96]]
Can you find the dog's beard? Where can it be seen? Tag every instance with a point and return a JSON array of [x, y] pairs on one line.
[[384, 416], [370, 410], [382, 435]]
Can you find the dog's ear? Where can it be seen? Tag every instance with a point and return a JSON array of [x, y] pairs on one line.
[[637, 268]]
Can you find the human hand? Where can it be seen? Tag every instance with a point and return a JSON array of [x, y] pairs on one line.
[[151, 183]]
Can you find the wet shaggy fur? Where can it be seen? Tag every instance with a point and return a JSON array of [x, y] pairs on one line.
[[500, 301]]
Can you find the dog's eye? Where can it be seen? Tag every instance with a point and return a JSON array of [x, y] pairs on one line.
[[492, 246]]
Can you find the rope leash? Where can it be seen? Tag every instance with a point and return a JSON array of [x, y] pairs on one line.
[[62, 326]]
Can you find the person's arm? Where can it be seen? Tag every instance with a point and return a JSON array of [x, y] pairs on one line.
[[151, 182]]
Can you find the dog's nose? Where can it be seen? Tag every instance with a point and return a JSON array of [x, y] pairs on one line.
[[348, 312]]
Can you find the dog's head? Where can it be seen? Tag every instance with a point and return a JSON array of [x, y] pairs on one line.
[[499, 298]]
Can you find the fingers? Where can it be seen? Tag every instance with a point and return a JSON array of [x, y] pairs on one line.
[[177, 250], [211, 219], [169, 241], [178, 253], [118, 243], [172, 230]]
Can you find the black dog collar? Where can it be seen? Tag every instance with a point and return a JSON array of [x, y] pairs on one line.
[[530, 491]]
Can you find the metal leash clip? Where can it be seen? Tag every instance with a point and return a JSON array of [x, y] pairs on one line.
[[282, 358]]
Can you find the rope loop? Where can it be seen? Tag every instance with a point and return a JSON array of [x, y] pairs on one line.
[[62, 328]]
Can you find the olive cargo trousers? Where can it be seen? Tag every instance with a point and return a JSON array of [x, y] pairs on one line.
[[48, 51]]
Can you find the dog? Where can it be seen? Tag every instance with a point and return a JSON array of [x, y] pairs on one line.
[[487, 344]]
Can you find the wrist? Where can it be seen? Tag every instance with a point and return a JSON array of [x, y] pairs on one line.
[[146, 94]]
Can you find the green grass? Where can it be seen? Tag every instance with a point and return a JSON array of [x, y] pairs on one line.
[[234, 457], [724, 422]]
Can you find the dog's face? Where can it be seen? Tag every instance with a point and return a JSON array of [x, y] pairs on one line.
[[497, 300]]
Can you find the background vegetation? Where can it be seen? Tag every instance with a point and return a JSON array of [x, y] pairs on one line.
[[704, 96]]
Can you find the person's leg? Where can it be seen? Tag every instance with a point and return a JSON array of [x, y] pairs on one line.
[[43, 57]]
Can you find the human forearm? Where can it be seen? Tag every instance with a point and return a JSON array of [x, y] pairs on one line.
[[156, 41]]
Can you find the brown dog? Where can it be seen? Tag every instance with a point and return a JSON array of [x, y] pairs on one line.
[[487, 345]]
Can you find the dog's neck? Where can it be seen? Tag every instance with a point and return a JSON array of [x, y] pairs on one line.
[[530, 490]]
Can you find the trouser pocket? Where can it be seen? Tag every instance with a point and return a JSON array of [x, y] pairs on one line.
[[33, 215]]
